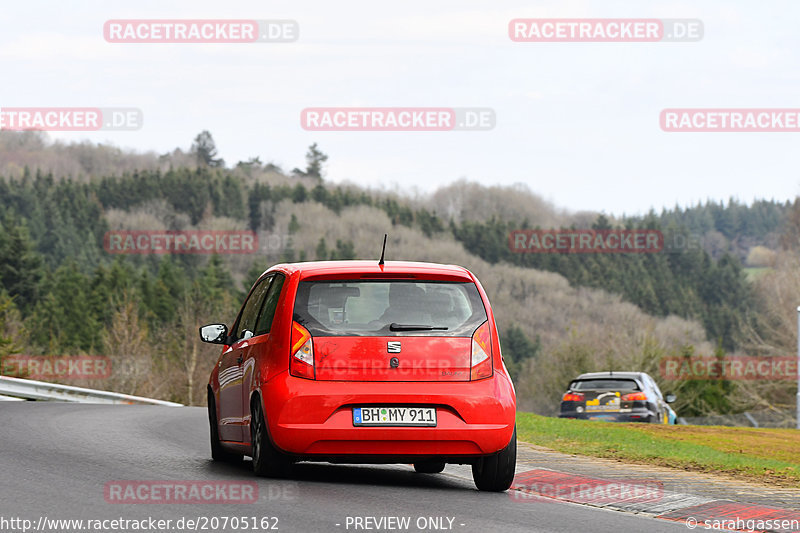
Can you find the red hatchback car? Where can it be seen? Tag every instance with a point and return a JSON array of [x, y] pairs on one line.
[[361, 362]]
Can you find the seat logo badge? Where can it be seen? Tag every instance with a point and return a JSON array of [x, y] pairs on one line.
[[394, 362], [393, 347]]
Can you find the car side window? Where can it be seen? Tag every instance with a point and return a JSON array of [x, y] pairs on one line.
[[270, 306], [246, 326]]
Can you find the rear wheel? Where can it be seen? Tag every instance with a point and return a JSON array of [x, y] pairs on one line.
[[429, 467], [218, 453], [267, 461], [495, 473]]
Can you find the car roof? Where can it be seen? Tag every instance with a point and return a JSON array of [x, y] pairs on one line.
[[389, 269], [611, 374]]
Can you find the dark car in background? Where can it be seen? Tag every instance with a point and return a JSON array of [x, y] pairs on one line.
[[617, 397]]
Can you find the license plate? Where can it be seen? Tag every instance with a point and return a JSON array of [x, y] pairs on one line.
[[610, 408], [394, 416], [608, 402]]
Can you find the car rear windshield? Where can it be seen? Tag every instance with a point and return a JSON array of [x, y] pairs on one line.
[[389, 308], [604, 384]]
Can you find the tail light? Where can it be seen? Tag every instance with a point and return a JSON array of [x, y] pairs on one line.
[[572, 397], [301, 363], [635, 397], [481, 361]]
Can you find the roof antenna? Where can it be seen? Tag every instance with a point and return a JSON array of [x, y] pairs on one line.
[[383, 250]]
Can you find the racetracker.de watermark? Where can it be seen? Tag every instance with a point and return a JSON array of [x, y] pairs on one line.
[[194, 31], [585, 241], [543, 485], [734, 368], [56, 367], [180, 492], [397, 119], [705, 120], [180, 242], [71, 118], [444, 369], [605, 30]]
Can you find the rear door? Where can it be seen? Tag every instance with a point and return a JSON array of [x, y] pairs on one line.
[[231, 411], [390, 330], [258, 345]]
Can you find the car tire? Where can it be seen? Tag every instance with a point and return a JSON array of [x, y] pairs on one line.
[[218, 453], [495, 473], [429, 467], [267, 460]]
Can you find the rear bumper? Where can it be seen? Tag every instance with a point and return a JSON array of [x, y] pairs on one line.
[[635, 415], [313, 419]]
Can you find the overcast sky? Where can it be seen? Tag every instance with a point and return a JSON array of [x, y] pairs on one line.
[[577, 122]]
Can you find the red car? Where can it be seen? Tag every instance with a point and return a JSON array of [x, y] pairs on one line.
[[363, 362]]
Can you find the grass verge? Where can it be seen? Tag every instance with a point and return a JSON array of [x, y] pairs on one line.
[[764, 455]]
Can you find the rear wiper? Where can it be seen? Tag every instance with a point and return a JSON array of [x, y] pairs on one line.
[[394, 326]]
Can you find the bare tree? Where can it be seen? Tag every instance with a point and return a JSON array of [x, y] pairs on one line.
[[126, 343]]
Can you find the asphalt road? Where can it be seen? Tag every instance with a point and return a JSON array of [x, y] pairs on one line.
[[56, 459]]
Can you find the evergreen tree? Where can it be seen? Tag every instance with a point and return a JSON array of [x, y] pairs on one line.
[[517, 349], [314, 160], [63, 320], [205, 150], [20, 264]]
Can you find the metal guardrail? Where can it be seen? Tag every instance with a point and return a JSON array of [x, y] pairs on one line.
[[28, 389], [11, 399]]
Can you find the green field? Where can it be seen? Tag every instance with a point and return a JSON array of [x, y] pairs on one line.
[[766, 455]]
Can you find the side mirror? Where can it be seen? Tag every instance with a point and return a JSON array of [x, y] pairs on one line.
[[214, 333], [670, 397]]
